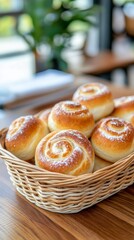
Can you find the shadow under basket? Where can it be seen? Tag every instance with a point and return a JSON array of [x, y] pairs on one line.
[[63, 193]]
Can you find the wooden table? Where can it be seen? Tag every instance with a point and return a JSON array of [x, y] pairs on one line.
[[103, 63], [112, 219]]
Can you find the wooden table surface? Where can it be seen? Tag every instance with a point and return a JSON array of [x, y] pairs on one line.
[[112, 219], [105, 62]]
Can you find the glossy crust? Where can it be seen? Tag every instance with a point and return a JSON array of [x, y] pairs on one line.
[[113, 139], [44, 115], [96, 97], [71, 115], [67, 152], [100, 163], [23, 135], [124, 108]]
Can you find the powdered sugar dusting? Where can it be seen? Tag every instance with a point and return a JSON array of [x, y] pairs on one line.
[[17, 127], [115, 129], [123, 100], [62, 153], [91, 90], [64, 156], [70, 107]]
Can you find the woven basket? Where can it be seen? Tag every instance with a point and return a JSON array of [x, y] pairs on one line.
[[63, 193]]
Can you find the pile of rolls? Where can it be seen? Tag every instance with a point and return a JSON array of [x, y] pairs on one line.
[[76, 136]]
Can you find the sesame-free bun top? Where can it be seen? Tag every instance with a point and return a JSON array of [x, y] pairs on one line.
[[67, 151], [124, 108], [71, 115], [23, 135], [44, 115], [113, 139], [96, 97]]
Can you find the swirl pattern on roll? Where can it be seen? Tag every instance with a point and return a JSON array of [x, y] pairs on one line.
[[113, 138], [96, 97], [124, 108], [23, 135], [67, 152], [71, 115]]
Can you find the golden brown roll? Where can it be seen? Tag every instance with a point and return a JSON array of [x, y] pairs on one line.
[[124, 108], [23, 135], [100, 163], [96, 97], [44, 115], [71, 115], [113, 139], [67, 152]]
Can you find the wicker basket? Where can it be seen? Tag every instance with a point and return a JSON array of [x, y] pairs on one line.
[[63, 193]]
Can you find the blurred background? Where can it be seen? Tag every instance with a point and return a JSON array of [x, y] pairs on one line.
[[91, 37]]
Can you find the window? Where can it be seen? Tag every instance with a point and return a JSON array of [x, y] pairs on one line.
[[16, 62]]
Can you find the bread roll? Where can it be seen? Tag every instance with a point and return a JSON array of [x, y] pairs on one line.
[[44, 115], [124, 108], [113, 139], [67, 152], [96, 97], [71, 115], [100, 163], [23, 135]]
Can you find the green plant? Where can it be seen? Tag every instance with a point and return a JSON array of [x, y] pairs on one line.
[[54, 22]]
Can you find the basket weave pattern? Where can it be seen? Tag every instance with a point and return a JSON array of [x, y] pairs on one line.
[[63, 193]]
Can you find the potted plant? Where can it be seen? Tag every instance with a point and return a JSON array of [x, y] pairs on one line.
[[54, 22]]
